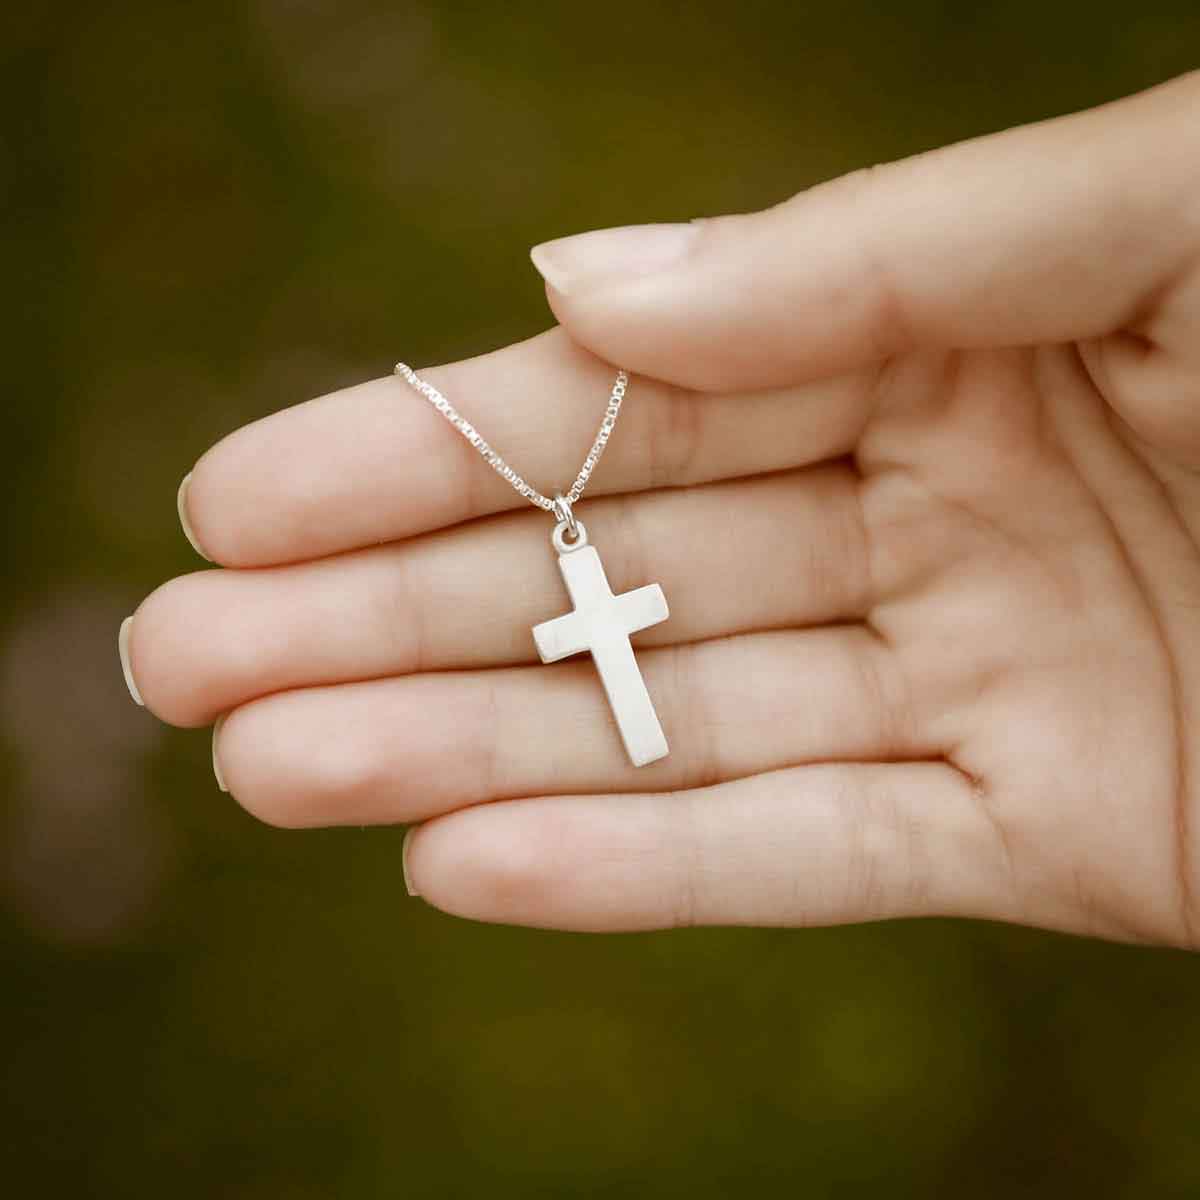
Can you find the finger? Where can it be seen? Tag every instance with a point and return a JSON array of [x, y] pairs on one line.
[[783, 550], [1064, 230], [811, 845], [376, 462], [405, 749]]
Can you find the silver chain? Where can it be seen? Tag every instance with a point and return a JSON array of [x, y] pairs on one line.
[[502, 468]]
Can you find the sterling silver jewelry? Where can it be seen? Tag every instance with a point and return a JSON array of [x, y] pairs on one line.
[[599, 623]]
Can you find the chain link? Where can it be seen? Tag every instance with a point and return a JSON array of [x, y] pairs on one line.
[[498, 464]]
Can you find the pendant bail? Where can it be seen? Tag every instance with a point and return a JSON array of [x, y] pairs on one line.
[[564, 514]]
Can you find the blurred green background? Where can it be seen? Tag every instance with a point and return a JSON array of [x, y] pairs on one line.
[[214, 210]]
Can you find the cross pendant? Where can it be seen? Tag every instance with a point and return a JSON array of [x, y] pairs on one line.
[[602, 623]]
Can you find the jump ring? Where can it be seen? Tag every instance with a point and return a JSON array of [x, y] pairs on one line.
[[558, 537]]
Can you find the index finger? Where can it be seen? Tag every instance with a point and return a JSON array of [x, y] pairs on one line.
[[376, 462]]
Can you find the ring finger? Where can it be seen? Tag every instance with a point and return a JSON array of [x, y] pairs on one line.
[[406, 749]]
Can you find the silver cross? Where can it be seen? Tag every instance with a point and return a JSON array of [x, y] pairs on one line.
[[602, 623]]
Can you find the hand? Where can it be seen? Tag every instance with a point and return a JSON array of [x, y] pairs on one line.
[[916, 459]]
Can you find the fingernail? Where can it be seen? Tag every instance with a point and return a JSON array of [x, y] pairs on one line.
[[572, 265], [181, 500], [123, 651], [216, 761], [408, 884]]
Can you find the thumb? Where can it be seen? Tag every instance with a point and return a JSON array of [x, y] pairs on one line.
[[1069, 229]]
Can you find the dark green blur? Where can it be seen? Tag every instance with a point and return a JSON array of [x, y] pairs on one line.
[[216, 210]]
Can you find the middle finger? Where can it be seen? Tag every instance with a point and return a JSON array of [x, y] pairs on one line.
[[758, 554]]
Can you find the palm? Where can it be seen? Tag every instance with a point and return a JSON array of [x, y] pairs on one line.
[[1016, 542]]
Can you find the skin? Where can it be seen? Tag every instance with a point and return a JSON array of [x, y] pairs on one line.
[[916, 458]]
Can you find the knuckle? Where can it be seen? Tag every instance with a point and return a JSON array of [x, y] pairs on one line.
[[852, 549], [633, 519], [683, 847], [874, 278], [672, 435], [691, 699], [884, 697], [890, 870]]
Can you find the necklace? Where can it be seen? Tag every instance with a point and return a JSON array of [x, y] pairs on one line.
[[599, 623]]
